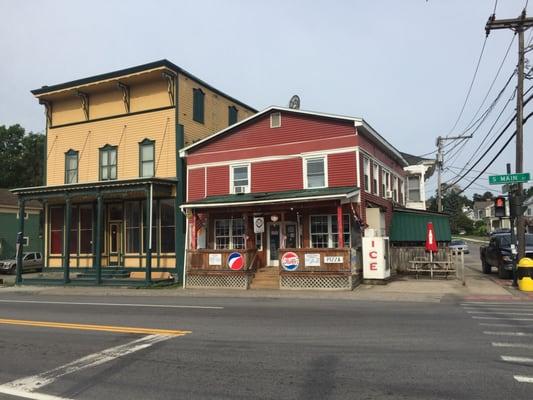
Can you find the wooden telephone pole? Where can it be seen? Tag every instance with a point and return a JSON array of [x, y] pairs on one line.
[[518, 25]]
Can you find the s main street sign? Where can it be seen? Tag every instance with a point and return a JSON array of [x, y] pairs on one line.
[[510, 178]]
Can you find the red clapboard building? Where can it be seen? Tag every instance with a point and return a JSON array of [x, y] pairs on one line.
[[281, 199]]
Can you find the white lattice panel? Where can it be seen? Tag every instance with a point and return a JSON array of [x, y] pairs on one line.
[[218, 281], [317, 282]]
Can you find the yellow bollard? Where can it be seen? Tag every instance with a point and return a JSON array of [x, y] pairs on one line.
[[524, 271]]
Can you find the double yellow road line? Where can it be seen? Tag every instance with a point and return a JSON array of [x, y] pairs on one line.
[[87, 327]]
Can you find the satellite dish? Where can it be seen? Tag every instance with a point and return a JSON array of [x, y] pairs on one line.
[[294, 103]]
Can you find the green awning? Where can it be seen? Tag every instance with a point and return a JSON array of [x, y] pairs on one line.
[[410, 226]]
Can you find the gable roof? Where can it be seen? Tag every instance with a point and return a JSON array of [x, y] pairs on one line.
[[416, 160], [164, 63], [358, 122]]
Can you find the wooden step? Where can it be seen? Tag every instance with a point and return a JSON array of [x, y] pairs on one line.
[[266, 278]]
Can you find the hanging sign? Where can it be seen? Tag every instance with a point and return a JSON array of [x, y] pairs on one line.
[[235, 261], [290, 261], [259, 224]]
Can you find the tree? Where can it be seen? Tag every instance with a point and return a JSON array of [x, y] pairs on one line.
[[483, 197], [22, 156], [453, 204]]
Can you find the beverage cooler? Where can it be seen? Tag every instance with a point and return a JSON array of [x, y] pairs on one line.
[[376, 263]]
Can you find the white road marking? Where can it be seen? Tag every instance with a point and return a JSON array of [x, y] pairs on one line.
[[111, 304], [524, 379], [517, 345], [506, 325], [523, 303], [29, 395], [34, 382], [505, 313], [517, 359], [487, 309], [506, 318], [518, 334]]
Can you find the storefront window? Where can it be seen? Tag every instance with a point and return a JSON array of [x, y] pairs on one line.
[[155, 218], [56, 230], [324, 231], [133, 226], [74, 231], [168, 227], [86, 229], [229, 233]]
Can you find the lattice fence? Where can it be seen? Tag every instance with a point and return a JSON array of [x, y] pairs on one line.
[[318, 282], [218, 281]]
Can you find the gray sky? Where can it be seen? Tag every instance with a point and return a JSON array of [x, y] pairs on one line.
[[404, 66]]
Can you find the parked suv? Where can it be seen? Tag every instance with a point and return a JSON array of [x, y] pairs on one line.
[[31, 261], [498, 254]]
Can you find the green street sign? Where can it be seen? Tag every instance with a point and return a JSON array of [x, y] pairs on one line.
[[510, 178]]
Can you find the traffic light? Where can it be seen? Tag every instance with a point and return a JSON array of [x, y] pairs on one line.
[[499, 207]]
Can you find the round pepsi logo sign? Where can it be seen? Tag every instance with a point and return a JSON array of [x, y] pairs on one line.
[[290, 261], [235, 261]]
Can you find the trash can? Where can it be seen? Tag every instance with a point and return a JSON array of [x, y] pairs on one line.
[[524, 272]]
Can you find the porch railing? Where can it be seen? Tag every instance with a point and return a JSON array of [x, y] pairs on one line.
[[209, 260], [320, 261]]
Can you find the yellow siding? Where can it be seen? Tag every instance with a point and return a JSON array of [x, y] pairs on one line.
[[67, 110], [126, 133], [105, 104], [216, 111], [149, 95]]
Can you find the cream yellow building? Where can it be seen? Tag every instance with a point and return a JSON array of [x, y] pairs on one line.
[[114, 179]]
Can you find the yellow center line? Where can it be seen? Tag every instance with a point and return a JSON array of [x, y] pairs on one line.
[[87, 327]]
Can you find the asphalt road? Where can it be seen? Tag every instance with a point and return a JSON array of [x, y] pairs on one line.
[[254, 348]]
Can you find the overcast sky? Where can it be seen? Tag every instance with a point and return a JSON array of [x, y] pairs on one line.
[[405, 66]]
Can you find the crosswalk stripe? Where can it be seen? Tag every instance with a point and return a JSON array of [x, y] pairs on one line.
[[517, 359], [518, 334], [506, 325], [505, 313], [524, 379], [500, 318], [508, 304], [517, 345], [497, 309]]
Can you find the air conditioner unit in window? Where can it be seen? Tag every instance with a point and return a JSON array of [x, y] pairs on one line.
[[240, 189], [389, 194]]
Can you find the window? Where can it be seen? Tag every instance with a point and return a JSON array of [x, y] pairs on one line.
[[229, 233], [25, 241], [146, 158], [240, 179], [232, 115], [29, 257], [275, 120], [259, 241], [395, 189], [56, 230], [71, 166], [132, 211], [375, 179], [413, 188], [315, 172], [383, 183], [324, 231], [74, 229], [155, 218], [198, 105], [86, 229], [168, 226], [108, 163], [366, 169]]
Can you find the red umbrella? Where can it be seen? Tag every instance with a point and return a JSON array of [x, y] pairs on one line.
[[431, 240]]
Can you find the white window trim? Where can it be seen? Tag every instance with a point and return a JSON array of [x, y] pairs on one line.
[[304, 169], [272, 114], [375, 188], [419, 176], [231, 185], [231, 243], [367, 189], [26, 241], [330, 233]]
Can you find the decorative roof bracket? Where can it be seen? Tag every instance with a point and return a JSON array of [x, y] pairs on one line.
[[170, 86], [84, 97], [47, 111], [125, 95]]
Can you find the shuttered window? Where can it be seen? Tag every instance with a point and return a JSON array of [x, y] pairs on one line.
[[108, 163], [198, 105], [146, 158], [71, 166], [232, 115]]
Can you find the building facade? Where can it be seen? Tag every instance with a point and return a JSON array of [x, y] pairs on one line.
[[288, 186], [418, 172], [114, 180]]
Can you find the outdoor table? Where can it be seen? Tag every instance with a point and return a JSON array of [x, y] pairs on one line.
[[432, 266]]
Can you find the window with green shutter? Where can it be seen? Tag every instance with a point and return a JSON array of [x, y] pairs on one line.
[[146, 158], [198, 105], [71, 166], [232, 115], [108, 163]]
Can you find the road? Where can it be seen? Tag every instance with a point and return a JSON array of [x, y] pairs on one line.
[[161, 347]]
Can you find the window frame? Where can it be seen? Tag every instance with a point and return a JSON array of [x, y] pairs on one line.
[[324, 159], [419, 178], [106, 149], [233, 112], [366, 174], [330, 233], [375, 178], [230, 235], [198, 107], [69, 154], [145, 143], [232, 177], [279, 123]]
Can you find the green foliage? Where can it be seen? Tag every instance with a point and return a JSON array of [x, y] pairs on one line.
[[452, 204], [480, 229], [22, 156], [483, 197]]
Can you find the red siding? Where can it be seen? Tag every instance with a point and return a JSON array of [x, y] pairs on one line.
[[376, 152], [341, 169], [217, 180], [273, 176], [196, 184], [298, 133]]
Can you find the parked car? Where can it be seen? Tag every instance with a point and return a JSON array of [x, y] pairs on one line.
[[459, 245], [31, 261], [498, 254]]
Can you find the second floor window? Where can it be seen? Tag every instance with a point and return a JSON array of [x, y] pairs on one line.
[[366, 169], [108, 163], [71, 166], [315, 172], [240, 178], [375, 179], [395, 189], [146, 158], [198, 105], [413, 188], [232, 115]]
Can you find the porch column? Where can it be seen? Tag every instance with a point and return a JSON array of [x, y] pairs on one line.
[[98, 239], [20, 241], [194, 238], [340, 226], [66, 243], [148, 240]]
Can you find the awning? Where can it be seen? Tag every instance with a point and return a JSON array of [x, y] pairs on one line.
[[347, 193], [410, 225]]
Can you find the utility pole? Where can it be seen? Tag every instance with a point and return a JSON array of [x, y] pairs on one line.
[[440, 163], [518, 25]]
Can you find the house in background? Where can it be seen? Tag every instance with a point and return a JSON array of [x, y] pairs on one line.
[[529, 214], [9, 225], [418, 172], [281, 200], [484, 211], [114, 180]]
